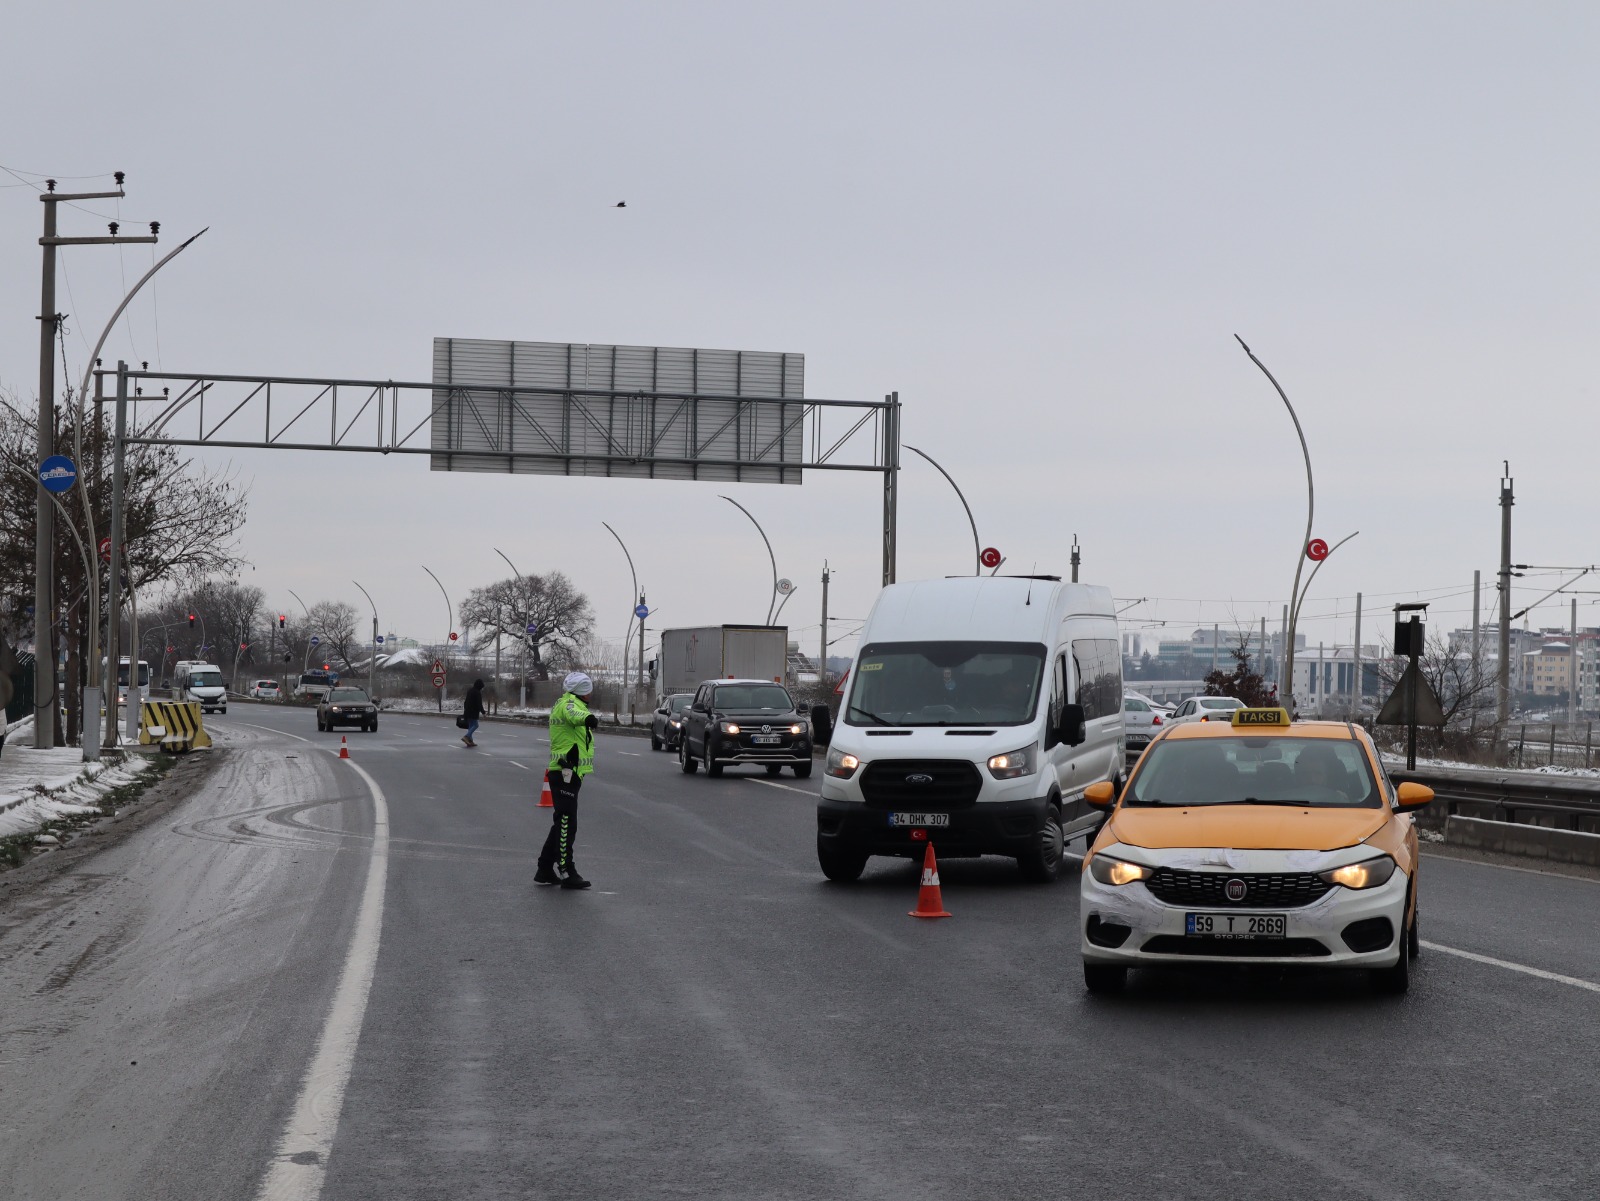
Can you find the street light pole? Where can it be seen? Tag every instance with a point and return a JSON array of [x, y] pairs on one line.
[[977, 550], [628, 636], [770, 555], [450, 616], [372, 666], [527, 638], [1300, 559]]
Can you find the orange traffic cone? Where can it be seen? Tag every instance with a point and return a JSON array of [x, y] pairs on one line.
[[546, 801], [344, 748], [930, 901]]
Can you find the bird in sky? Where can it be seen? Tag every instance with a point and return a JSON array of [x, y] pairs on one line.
[[622, 204]]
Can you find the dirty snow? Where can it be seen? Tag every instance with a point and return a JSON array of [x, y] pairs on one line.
[[37, 787]]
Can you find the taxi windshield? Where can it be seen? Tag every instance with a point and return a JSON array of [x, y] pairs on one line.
[[1315, 773]]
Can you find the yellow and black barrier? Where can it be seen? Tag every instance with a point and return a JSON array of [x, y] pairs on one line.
[[175, 725]]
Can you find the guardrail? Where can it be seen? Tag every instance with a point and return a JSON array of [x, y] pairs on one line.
[[1560, 802]]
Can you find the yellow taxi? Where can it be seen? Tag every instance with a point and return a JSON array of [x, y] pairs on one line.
[[1256, 841]]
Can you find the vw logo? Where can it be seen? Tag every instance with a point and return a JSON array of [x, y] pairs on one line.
[[1235, 889], [918, 777], [766, 729]]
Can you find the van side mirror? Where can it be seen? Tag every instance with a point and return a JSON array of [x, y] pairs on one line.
[[1074, 725], [1410, 796], [821, 725], [1101, 796]]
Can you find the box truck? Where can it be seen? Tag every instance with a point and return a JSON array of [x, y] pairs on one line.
[[694, 654]]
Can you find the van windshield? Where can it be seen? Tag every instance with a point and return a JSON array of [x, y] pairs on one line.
[[205, 679], [144, 674], [945, 684]]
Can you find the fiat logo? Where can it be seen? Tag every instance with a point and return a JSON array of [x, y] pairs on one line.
[[919, 778], [1235, 889]]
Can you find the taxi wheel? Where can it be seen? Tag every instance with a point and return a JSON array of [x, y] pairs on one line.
[[1104, 978], [1043, 863], [1413, 939], [1394, 981]]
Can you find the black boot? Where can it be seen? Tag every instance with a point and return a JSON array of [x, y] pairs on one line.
[[573, 880], [546, 875]]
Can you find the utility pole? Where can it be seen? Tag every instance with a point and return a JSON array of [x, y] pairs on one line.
[[1077, 559], [114, 567], [1285, 686], [1572, 669], [44, 668], [1263, 651], [1502, 709], [646, 608], [822, 655]]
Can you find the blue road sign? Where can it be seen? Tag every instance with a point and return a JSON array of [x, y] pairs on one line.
[[315, 640], [533, 628], [380, 639], [641, 612], [57, 473]]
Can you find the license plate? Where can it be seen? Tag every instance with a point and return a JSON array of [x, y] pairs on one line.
[[1236, 925], [919, 819], [765, 739]]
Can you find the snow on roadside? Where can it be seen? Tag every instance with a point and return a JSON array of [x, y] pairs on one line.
[[38, 787]]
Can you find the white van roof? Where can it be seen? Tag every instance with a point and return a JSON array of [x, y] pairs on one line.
[[985, 608]]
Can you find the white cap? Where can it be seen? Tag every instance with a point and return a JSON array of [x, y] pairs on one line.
[[578, 684]]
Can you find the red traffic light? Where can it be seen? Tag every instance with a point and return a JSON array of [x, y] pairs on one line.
[[324, 667], [281, 620], [244, 646], [191, 621]]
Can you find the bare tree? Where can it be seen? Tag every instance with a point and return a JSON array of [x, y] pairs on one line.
[[561, 614], [1464, 685], [1243, 682], [334, 622]]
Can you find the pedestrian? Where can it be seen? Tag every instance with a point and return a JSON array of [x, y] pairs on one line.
[[571, 759], [472, 710]]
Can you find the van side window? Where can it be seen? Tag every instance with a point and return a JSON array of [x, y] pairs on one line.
[[1098, 662], [1058, 701]]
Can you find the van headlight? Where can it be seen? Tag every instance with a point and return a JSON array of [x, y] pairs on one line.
[[841, 765], [1118, 871], [1369, 873], [1009, 766]]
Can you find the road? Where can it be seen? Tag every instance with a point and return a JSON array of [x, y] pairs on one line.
[[320, 978]]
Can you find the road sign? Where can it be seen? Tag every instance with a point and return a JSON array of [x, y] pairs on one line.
[[380, 639], [785, 587], [533, 628], [643, 611], [990, 557], [105, 549], [315, 640], [438, 679], [438, 667], [57, 473], [1317, 550]]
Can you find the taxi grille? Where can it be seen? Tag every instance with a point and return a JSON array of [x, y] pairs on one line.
[[1285, 890], [920, 784]]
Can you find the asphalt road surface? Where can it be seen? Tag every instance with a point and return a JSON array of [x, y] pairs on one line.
[[337, 980]]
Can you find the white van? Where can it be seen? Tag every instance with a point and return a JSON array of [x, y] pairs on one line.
[[141, 691], [978, 710], [194, 681]]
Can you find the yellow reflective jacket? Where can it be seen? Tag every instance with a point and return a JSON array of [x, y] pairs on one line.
[[569, 729]]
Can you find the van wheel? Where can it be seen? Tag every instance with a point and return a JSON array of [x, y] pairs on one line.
[[684, 761], [1103, 978], [1043, 863], [842, 867]]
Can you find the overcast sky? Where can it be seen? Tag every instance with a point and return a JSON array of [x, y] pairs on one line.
[[1042, 224]]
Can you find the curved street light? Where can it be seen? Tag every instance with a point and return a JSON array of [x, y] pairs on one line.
[[372, 667], [450, 616], [770, 555], [627, 637], [522, 683], [1300, 559], [977, 550]]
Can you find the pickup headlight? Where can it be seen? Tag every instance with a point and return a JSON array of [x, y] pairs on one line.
[[730, 727], [1016, 763], [841, 765], [675, 723], [797, 728], [1118, 871], [1369, 873]]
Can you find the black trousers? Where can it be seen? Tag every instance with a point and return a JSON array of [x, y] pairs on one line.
[[563, 834]]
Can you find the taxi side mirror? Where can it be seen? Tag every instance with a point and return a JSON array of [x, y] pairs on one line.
[[1413, 796], [1102, 795]]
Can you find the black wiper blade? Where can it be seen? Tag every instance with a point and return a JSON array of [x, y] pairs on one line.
[[1251, 800], [869, 716]]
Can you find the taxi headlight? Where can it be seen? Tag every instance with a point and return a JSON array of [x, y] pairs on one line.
[[1118, 871], [841, 765], [1015, 763], [1369, 873]]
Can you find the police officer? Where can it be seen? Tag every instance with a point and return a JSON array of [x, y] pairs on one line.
[[571, 759]]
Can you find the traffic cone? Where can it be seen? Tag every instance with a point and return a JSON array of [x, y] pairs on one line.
[[546, 801], [344, 749], [930, 902]]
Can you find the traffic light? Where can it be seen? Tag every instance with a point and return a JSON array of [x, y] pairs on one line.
[[191, 621], [281, 620], [285, 656]]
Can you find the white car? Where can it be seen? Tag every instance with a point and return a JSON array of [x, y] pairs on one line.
[[1205, 708], [1141, 721], [266, 690]]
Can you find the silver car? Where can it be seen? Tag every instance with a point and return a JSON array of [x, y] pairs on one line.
[[1206, 708], [1141, 721]]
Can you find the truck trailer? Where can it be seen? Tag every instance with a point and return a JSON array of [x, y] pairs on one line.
[[693, 654]]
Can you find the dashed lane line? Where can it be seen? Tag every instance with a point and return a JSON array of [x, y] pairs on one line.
[[1540, 973], [775, 784], [272, 730], [514, 763], [299, 1168]]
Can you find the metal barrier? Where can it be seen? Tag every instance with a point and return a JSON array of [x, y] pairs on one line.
[[1500, 795]]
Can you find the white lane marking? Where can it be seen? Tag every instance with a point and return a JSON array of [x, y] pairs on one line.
[[1547, 872], [514, 763], [785, 787], [1588, 985], [630, 754], [301, 1163], [271, 730]]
